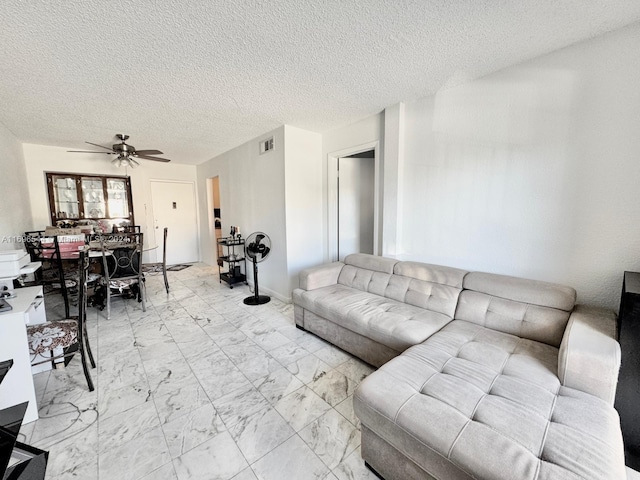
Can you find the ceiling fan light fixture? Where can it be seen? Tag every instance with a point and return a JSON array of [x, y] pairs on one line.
[[120, 160]]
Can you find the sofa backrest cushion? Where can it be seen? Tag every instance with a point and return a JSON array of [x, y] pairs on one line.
[[522, 290], [368, 273], [431, 287], [371, 262], [526, 308], [364, 279], [431, 273]]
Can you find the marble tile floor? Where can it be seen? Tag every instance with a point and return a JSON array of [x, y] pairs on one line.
[[200, 386]]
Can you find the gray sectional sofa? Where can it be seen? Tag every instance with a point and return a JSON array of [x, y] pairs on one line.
[[481, 376]]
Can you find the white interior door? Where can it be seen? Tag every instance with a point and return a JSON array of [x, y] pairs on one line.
[[356, 177], [174, 206]]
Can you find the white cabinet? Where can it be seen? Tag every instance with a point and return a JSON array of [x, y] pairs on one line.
[[17, 387]]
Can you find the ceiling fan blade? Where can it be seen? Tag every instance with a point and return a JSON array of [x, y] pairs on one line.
[[101, 146], [157, 159], [148, 152], [88, 151]]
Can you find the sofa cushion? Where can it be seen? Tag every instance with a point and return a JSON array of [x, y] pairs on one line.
[[522, 290], [491, 404], [431, 273], [527, 308], [371, 262], [541, 324], [387, 321], [364, 279], [426, 286]]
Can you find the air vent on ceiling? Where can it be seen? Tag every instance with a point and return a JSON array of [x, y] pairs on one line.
[[266, 145]]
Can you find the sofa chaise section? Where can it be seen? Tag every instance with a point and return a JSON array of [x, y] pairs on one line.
[[518, 386], [376, 307]]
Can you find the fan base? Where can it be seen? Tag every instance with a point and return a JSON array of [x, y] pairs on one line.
[[259, 300]]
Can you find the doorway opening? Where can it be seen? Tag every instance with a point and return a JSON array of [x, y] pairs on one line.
[[356, 176], [212, 250], [353, 213]]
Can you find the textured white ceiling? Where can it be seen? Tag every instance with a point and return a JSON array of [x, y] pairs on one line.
[[195, 78]]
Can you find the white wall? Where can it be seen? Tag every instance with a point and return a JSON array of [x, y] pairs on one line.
[[303, 199], [533, 171], [252, 197], [15, 209], [43, 158]]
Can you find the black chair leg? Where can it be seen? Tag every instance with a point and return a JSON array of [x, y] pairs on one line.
[[166, 280], [65, 296], [88, 347], [87, 375]]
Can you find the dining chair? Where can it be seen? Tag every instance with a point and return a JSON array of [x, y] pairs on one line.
[[154, 267], [122, 261], [51, 275], [61, 339]]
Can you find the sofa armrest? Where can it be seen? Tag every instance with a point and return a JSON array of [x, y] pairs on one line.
[[589, 356], [320, 276]]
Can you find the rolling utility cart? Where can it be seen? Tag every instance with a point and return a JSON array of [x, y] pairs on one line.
[[232, 265]]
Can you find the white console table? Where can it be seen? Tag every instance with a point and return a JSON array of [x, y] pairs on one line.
[[17, 387]]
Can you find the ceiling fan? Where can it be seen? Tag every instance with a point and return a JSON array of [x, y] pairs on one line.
[[127, 155]]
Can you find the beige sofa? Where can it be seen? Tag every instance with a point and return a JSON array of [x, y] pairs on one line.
[[482, 376]]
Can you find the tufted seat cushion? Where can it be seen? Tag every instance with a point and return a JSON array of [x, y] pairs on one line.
[[489, 405], [395, 324]]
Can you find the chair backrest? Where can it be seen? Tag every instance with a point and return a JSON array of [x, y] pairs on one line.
[[33, 244], [45, 249], [122, 254]]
